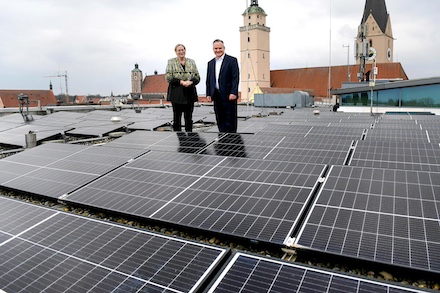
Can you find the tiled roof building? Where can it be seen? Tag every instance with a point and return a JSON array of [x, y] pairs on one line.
[[9, 98], [316, 78], [155, 84]]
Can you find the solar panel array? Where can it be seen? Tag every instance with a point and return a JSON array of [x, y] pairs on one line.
[[255, 199], [55, 169], [353, 185], [97, 123], [44, 250], [384, 215]]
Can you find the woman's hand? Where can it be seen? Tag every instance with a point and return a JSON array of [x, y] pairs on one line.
[[186, 83]]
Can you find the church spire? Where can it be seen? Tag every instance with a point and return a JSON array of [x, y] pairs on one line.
[[378, 9]]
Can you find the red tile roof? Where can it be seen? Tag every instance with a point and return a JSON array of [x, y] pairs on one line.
[[312, 80], [316, 78], [155, 84], [9, 98], [81, 100]]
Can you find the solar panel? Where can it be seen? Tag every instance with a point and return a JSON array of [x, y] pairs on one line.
[[60, 119], [248, 198], [282, 148], [251, 126], [6, 126], [334, 124], [146, 184], [17, 119], [397, 155], [428, 124], [433, 135], [52, 251], [150, 125], [346, 133], [242, 145], [55, 169], [310, 150], [382, 215], [192, 142], [17, 136], [90, 129], [251, 273], [397, 125], [397, 135]]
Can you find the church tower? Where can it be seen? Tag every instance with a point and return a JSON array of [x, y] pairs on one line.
[[375, 32], [136, 80], [254, 52]]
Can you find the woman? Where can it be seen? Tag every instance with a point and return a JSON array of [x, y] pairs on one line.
[[182, 76]]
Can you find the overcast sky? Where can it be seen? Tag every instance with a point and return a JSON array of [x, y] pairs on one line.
[[98, 41]]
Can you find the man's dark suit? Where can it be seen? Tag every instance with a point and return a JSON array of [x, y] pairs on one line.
[[225, 110]]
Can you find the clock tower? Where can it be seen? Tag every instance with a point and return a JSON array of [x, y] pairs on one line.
[[136, 80], [375, 32], [254, 52]]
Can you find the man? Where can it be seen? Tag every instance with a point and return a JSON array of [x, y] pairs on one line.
[[222, 87]]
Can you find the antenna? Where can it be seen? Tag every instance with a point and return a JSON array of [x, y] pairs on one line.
[[348, 61], [362, 34]]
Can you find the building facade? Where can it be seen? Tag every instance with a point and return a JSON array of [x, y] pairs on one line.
[[254, 52], [136, 80]]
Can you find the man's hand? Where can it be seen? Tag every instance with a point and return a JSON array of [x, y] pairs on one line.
[[232, 97]]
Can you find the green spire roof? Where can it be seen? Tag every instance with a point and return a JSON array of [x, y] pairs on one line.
[[136, 68], [254, 8]]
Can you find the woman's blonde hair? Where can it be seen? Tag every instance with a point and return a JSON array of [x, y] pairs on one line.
[[175, 48]]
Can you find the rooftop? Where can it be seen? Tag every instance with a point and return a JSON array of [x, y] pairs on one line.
[[343, 188]]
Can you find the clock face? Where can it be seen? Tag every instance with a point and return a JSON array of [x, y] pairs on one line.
[[389, 54], [135, 77]]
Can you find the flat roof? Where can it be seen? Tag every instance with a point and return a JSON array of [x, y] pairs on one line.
[[388, 85]]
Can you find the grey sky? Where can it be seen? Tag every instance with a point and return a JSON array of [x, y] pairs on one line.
[[98, 41]]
